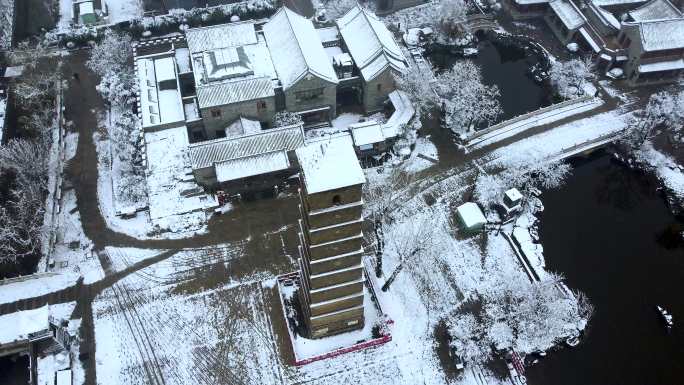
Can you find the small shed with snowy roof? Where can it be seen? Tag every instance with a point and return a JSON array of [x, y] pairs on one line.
[[368, 138], [471, 217], [375, 52], [306, 74]]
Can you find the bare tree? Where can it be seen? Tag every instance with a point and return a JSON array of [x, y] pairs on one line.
[[415, 239]]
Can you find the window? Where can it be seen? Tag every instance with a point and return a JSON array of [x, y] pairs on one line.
[[379, 87], [337, 200], [308, 95], [220, 134], [261, 105], [216, 113]]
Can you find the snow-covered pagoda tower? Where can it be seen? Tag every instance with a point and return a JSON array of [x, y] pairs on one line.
[[331, 290]]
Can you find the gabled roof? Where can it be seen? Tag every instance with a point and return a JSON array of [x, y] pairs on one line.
[[206, 154], [220, 36], [370, 43], [219, 94], [659, 35], [655, 10], [566, 10], [296, 49]]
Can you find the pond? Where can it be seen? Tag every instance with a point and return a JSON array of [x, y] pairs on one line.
[[507, 67], [609, 231]]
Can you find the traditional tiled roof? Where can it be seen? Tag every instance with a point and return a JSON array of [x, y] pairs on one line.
[[568, 13], [220, 36], [370, 43], [296, 49], [206, 154], [658, 35], [252, 165], [219, 94], [655, 10]]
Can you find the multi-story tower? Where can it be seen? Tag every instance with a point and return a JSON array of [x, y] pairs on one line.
[[331, 292]]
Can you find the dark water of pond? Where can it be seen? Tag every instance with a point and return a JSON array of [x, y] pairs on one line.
[[609, 232], [506, 67]]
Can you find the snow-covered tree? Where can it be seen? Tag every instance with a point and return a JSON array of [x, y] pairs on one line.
[[664, 111], [334, 9], [452, 18], [523, 171], [568, 78], [417, 84], [21, 214], [466, 100], [286, 118], [460, 92], [111, 60]]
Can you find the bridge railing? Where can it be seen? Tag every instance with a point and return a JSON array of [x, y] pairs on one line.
[[528, 115]]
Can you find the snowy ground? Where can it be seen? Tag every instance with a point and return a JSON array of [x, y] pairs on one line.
[[124, 10], [339, 124], [151, 322]]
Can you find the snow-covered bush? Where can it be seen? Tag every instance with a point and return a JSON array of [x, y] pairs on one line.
[[111, 60], [416, 83], [568, 78], [286, 118], [663, 112]]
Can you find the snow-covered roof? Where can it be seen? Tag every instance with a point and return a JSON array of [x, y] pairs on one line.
[[343, 60], [595, 46], [330, 163], [63, 377], [606, 18], [296, 49], [668, 65], [609, 3], [219, 94], [86, 8], [529, 2], [654, 10], [158, 105], [658, 35], [471, 216], [568, 13], [370, 43], [252, 165], [220, 36], [206, 154], [243, 126], [403, 112], [367, 133], [513, 195], [19, 325], [328, 34]]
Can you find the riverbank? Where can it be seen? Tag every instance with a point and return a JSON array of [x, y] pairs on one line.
[[607, 232]]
